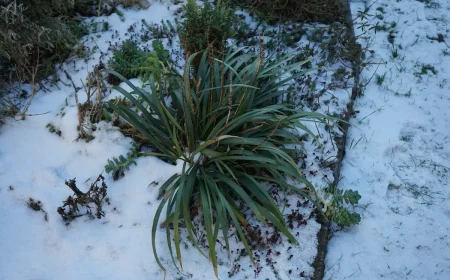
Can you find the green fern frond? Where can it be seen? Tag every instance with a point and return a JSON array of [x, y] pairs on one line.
[[117, 166], [345, 218], [336, 210]]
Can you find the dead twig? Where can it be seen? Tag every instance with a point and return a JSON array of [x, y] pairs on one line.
[[33, 74]]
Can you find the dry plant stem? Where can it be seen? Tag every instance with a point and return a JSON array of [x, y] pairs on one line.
[[99, 87], [39, 114], [88, 88], [70, 79], [80, 113], [33, 73], [80, 116], [331, 140], [19, 80], [89, 111], [99, 7], [79, 109], [33, 94], [269, 136]]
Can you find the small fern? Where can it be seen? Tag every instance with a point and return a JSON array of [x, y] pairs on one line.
[[117, 166], [336, 210], [345, 218]]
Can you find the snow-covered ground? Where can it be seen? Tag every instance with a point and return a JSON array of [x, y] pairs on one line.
[[401, 165], [398, 158], [35, 163]]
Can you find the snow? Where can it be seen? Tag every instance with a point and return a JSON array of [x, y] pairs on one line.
[[397, 157], [35, 163], [401, 166]]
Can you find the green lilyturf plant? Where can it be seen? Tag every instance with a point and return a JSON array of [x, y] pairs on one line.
[[227, 122]]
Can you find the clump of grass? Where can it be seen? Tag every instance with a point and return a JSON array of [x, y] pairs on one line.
[[34, 36], [408, 93], [428, 67], [27, 27], [439, 38], [394, 51], [105, 26], [380, 79], [206, 27], [227, 125]]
